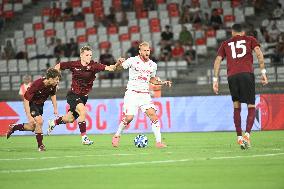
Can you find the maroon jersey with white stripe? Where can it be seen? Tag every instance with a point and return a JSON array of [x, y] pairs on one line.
[[38, 92], [238, 52], [82, 76]]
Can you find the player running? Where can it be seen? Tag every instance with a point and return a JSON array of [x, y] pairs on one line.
[[142, 70], [34, 99], [83, 74], [238, 52]]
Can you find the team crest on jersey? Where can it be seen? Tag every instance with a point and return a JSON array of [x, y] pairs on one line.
[[33, 113], [88, 67]]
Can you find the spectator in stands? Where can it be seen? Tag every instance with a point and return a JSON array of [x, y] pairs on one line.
[[68, 12], [278, 12], [185, 16], [110, 18], [167, 36], [274, 32], [79, 17], [196, 19], [2, 22], [107, 59], [71, 49], [121, 18], [133, 50], [50, 48], [166, 52], [22, 54], [9, 51], [194, 9], [216, 20], [206, 20], [279, 50], [190, 55], [250, 31], [177, 52], [55, 13], [25, 85], [126, 5], [185, 37], [265, 34], [149, 5], [59, 49]]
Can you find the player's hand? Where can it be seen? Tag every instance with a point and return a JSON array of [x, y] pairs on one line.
[[167, 83], [120, 60], [216, 87], [264, 79], [56, 113]]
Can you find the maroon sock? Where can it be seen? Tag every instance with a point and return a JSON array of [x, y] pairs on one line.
[[237, 121], [19, 127], [59, 121], [39, 138], [250, 119], [82, 126]]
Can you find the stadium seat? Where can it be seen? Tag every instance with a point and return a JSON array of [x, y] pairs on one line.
[[134, 29], [105, 83], [116, 83], [38, 26], [124, 37], [112, 30], [30, 41], [105, 45], [82, 39], [80, 24]]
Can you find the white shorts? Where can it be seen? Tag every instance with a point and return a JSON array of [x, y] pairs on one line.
[[135, 100]]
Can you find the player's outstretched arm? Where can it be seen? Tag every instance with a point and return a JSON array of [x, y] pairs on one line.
[[54, 103], [57, 66], [158, 81], [117, 65], [260, 59], [217, 64]]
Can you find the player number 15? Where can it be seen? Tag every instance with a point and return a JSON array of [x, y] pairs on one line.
[[238, 45]]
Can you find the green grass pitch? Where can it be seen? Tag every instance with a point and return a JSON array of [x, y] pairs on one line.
[[192, 160]]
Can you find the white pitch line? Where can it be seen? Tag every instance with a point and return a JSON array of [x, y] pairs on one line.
[[70, 156], [132, 163]]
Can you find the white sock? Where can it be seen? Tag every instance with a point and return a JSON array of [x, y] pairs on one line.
[[121, 126], [247, 134], [156, 130], [240, 138]]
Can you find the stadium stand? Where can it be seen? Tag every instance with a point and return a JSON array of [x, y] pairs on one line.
[[115, 25]]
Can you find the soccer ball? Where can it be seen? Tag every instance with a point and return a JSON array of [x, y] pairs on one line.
[[141, 141]]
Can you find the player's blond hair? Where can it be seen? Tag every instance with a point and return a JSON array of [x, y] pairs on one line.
[[85, 48], [144, 43]]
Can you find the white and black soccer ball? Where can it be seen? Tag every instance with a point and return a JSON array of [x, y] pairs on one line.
[[141, 141]]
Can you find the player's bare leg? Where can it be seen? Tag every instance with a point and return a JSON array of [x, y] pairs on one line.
[[156, 128], [124, 122], [68, 118], [81, 109], [19, 127], [38, 132]]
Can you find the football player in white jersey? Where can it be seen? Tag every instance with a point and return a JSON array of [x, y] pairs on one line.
[[142, 70]]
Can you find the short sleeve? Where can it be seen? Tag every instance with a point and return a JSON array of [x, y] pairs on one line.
[[221, 51], [32, 90], [153, 74], [66, 65], [254, 43], [98, 67], [127, 63]]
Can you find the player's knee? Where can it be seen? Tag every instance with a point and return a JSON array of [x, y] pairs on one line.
[[128, 119]]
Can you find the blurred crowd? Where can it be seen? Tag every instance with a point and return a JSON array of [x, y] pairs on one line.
[[179, 49]]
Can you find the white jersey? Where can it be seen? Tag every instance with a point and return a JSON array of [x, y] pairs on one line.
[[140, 73]]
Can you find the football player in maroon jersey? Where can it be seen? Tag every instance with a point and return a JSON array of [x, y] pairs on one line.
[[34, 99], [83, 74], [238, 51]]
